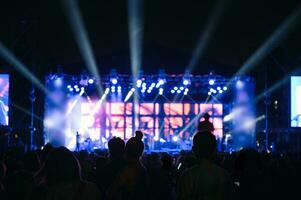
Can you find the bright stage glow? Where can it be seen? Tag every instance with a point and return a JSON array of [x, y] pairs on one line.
[[225, 88]]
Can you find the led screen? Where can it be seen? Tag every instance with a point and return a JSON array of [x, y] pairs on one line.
[[4, 98], [296, 101]]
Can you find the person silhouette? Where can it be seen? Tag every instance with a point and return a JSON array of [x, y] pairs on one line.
[[139, 135], [206, 125], [205, 180]]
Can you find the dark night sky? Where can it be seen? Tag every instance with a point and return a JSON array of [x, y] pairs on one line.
[[171, 30], [38, 33]]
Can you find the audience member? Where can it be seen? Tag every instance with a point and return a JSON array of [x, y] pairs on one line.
[[205, 180], [132, 182]]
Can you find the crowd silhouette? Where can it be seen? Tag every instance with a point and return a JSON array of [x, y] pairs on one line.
[[126, 172]]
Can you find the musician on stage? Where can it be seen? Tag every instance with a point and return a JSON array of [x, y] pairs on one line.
[[206, 125]]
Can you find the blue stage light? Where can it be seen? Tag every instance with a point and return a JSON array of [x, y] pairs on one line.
[[225, 88], [175, 138], [113, 89], [75, 86], [218, 88], [185, 82], [114, 81], [71, 89], [239, 84], [211, 82], [58, 82], [77, 89], [175, 88], [91, 81], [178, 91], [69, 86], [119, 89], [161, 91], [172, 91], [182, 88], [138, 83], [161, 81]]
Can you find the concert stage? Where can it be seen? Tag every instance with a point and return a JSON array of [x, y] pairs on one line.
[[167, 108]]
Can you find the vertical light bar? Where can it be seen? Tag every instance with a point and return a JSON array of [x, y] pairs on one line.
[[135, 27], [82, 39]]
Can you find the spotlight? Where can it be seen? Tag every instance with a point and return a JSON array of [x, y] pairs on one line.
[[138, 83], [220, 91], [77, 89], [107, 91], [114, 81], [211, 82], [178, 91], [90, 81], [185, 82], [175, 138], [175, 88], [161, 81], [182, 88], [225, 88], [218, 88], [161, 91], [75, 86], [119, 89], [153, 85], [186, 89], [172, 91], [209, 93], [58, 82], [239, 84], [69, 86], [113, 88], [71, 89]]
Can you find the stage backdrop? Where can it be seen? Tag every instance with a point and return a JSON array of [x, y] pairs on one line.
[[97, 123]]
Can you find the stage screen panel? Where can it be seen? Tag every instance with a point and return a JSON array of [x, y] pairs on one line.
[[296, 101], [4, 99]]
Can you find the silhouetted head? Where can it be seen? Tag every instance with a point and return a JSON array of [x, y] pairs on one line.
[[167, 161], [139, 135], [31, 162], [247, 159], [206, 116], [61, 166], [134, 148], [204, 145], [2, 171], [116, 147]]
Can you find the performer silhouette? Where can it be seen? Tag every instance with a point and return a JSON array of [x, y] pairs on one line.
[[206, 125]]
